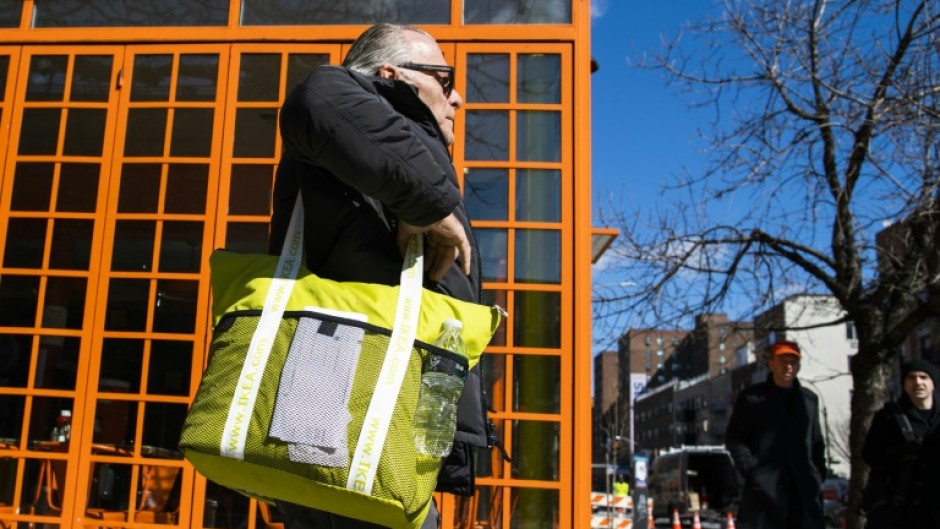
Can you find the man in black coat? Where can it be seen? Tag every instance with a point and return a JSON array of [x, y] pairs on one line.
[[903, 450], [366, 144], [777, 445]]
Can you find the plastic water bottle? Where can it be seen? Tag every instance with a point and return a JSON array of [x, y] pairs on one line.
[[441, 385]]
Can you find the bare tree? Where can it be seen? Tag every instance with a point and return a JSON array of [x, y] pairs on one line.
[[827, 129]]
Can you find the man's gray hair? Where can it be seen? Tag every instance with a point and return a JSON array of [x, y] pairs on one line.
[[381, 44]]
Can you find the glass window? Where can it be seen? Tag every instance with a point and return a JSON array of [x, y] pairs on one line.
[[487, 78], [146, 132], [247, 237], [46, 81], [181, 247], [255, 132], [78, 187], [536, 444], [40, 131], [133, 245], [538, 319], [186, 188], [322, 12], [91, 78], [64, 306], [192, 132], [10, 13], [32, 187], [129, 13], [299, 66], [534, 508], [517, 12], [250, 192], [493, 247], [121, 361], [127, 298], [175, 310], [198, 76], [486, 194], [151, 78], [71, 244], [18, 300], [140, 188], [4, 69], [538, 256], [259, 76], [538, 195], [170, 366], [537, 383], [487, 135], [539, 78], [538, 134], [26, 239], [84, 132]]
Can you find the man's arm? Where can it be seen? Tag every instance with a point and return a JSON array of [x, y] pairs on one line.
[[738, 434]]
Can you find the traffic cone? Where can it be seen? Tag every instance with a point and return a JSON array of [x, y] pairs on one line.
[[696, 523], [649, 513], [730, 524], [676, 524]]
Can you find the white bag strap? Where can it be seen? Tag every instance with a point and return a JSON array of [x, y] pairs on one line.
[[365, 460]]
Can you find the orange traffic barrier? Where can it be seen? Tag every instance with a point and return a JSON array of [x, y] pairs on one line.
[[696, 523], [730, 524], [676, 524], [649, 513]]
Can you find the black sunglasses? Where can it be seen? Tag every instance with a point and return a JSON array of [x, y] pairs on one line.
[[446, 80]]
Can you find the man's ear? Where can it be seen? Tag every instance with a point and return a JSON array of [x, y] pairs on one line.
[[388, 71]]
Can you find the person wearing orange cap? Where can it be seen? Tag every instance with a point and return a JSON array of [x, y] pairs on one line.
[[777, 445]]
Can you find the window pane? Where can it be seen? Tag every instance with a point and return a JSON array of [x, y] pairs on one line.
[[170, 366], [186, 188], [299, 66], [78, 187], [247, 237], [487, 78], [127, 304], [130, 13], [146, 132], [26, 239], [163, 425], [40, 132], [4, 70], [46, 80], [538, 195], [176, 306], [487, 134], [192, 132], [151, 78], [84, 132], [517, 12], [140, 188], [255, 132], [181, 247], [121, 362], [198, 77], [56, 367], [18, 300], [91, 78], [32, 187], [71, 244], [17, 350], [538, 319], [321, 12], [494, 378], [10, 13], [538, 256], [535, 508], [539, 79], [538, 136], [493, 251], [133, 245], [536, 443], [64, 307], [259, 76], [250, 192], [486, 194], [537, 384]]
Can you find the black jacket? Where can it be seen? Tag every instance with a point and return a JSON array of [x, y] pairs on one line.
[[890, 456], [366, 152], [777, 445]]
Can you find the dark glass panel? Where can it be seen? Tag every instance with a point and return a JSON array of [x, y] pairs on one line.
[[494, 250], [15, 349], [151, 78], [323, 12], [64, 306], [10, 14], [250, 192], [487, 78], [255, 132], [258, 77], [538, 136], [486, 194], [170, 367], [91, 78], [539, 78], [247, 237], [487, 135], [42, 419], [129, 13], [538, 195], [539, 461], [46, 81], [198, 77], [146, 132], [114, 425], [140, 188], [58, 361], [26, 240], [4, 70], [186, 188], [538, 319], [32, 186], [133, 245], [176, 306], [517, 12], [18, 300], [40, 131], [494, 378], [71, 244], [78, 187], [84, 132], [12, 408], [181, 247], [534, 508], [538, 256], [122, 361], [496, 297], [299, 66], [192, 132], [536, 384], [163, 424], [127, 304]]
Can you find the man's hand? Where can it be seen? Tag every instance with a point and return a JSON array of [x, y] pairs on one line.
[[446, 239]]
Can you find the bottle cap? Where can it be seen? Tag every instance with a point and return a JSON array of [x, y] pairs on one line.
[[453, 323]]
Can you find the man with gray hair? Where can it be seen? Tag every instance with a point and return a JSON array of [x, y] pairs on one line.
[[367, 145]]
